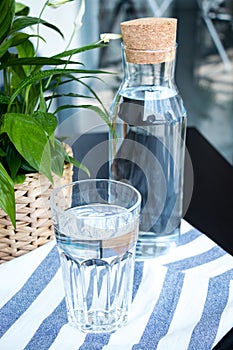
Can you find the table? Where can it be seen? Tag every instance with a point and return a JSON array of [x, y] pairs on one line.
[[181, 301], [209, 201]]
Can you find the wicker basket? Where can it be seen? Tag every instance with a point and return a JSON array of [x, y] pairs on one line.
[[33, 220]]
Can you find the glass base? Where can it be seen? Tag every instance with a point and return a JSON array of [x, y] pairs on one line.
[[151, 245], [98, 321]]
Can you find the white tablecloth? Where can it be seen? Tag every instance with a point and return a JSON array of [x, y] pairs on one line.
[[181, 301]]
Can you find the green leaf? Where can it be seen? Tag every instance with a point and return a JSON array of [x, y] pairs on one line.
[[26, 49], [27, 21], [7, 10], [48, 121], [27, 167], [43, 106], [30, 141], [21, 9], [4, 99], [2, 153], [79, 165], [58, 156], [20, 178], [14, 40], [7, 194], [13, 160], [18, 74]]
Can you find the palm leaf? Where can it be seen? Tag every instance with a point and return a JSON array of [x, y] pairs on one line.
[[93, 93], [35, 61], [27, 21], [79, 50], [46, 74], [102, 114], [70, 94], [79, 165]]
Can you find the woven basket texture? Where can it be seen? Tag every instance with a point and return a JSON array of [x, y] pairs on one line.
[[33, 218]]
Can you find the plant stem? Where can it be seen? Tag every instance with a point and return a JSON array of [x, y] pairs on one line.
[[38, 25]]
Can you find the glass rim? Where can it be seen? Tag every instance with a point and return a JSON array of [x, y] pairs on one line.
[[73, 183]]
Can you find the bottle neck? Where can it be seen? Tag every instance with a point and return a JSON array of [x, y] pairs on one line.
[[150, 74]]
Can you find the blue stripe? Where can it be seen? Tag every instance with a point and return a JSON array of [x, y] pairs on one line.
[[95, 341], [188, 237], [21, 301], [197, 260], [204, 333], [49, 329], [162, 315], [138, 272]]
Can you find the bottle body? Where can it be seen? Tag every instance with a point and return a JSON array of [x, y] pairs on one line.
[[149, 121]]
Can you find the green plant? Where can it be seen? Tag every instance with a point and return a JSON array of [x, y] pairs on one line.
[[30, 83]]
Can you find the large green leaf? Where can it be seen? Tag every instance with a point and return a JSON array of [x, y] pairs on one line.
[[30, 141], [25, 166], [13, 160], [58, 156], [7, 10], [48, 121], [7, 195], [26, 49], [18, 74]]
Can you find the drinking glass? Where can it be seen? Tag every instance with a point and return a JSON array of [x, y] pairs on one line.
[[96, 227]]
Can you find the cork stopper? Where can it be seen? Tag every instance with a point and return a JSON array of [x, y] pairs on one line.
[[149, 40]]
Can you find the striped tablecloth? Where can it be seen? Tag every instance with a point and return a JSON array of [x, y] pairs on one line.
[[180, 301]]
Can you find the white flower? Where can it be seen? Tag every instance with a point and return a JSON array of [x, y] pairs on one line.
[[106, 37]]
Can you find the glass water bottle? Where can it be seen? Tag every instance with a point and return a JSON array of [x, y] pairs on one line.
[[149, 120]]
